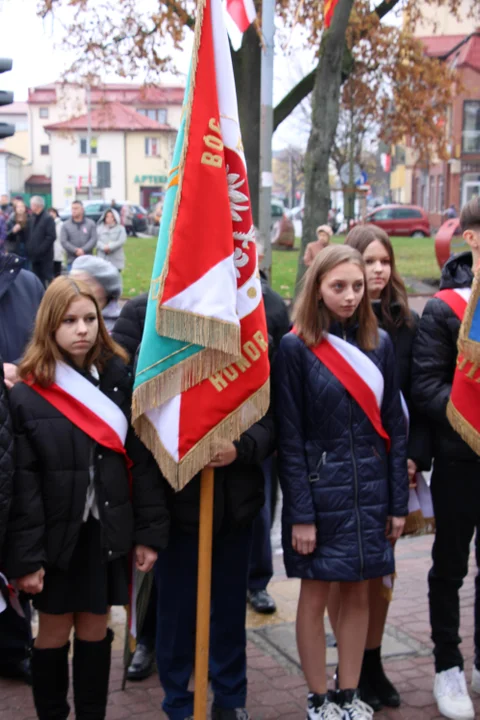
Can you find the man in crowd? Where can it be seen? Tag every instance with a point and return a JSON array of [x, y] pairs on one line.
[[79, 234], [20, 296], [6, 206], [40, 239]]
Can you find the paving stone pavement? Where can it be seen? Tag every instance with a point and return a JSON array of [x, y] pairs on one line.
[[276, 685]]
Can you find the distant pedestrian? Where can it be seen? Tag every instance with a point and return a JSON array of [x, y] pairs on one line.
[[111, 239], [105, 282], [58, 251], [40, 240], [5, 205], [79, 234], [17, 231], [451, 212], [323, 233], [342, 466], [127, 219]]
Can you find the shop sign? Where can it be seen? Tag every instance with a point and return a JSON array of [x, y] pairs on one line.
[[153, 179]]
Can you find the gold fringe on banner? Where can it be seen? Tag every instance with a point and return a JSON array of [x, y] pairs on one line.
[[209, 332], [231, 427], [463, 427], [177, 379]]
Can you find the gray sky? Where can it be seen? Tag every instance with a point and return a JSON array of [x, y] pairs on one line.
[[29, 41]]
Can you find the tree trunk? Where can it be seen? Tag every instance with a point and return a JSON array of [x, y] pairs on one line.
[[325, 107], [246, 68]]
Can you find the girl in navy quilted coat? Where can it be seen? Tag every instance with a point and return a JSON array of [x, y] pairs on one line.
[[342, 465]]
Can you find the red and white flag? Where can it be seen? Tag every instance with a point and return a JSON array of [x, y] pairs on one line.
[[203, 373], [239, 15]]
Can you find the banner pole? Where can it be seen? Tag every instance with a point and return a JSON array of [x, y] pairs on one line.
[[204, 586]]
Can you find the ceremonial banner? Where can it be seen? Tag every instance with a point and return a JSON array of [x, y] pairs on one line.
[[239, 16], [328, 11], [463, 409], [203, 371]]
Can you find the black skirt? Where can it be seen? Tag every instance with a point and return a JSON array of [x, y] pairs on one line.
[[90, 584]]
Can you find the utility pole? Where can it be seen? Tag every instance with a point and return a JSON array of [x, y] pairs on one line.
[[266, 130], [89, 139]]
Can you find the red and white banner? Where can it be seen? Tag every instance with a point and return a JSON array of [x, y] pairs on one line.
[[456, 299], [239, 15]]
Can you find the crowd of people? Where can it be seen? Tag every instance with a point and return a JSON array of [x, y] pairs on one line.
[[360, 386]]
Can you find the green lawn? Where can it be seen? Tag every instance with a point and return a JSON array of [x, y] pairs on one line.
[[415, 259]]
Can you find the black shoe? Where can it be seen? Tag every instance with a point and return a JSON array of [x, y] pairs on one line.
[[50, 682], [369, 695], [141, 666], [91, 673], [376, 682], [17, 670], [219, 713], [261, 601]]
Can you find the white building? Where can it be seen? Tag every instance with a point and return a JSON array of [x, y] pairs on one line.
[[11, 173], [137, 148]]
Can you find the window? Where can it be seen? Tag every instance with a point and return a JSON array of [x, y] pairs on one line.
[[84, 146], [471, 126], [154, 114], [44, 149], [385, 214], [43, 112], [406, 213], [432, 195], [152, 147]]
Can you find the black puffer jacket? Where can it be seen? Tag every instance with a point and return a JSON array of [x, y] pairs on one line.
[[278, 322], [52, 476], [6, 458], [434, 360], [419, 439], [128, 329], [239, 488]]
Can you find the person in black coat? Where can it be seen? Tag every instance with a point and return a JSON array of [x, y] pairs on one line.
[[456, 471], [388, 295], [77, 509], [238, 498], [6, 459], [342, 465], [40, 240], [17, 230]]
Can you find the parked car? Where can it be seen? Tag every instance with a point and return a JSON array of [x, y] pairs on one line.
[[401, 220], [94, 209]]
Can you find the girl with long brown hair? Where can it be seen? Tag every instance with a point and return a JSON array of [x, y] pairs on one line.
[[342, 465], [86, 492], [388, 297], [17, 230]]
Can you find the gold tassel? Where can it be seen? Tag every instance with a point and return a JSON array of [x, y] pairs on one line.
[[209, 332], [414, 524], [466, 431], [231, 427]]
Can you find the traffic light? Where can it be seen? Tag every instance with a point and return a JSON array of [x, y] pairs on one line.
[[6, 98]]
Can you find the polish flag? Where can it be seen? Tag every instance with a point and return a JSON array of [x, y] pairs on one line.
[[239, 15]]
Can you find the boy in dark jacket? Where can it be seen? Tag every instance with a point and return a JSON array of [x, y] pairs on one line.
[[456, 473], [238, 498]]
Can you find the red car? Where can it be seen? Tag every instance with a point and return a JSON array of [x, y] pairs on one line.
[[400, 220]]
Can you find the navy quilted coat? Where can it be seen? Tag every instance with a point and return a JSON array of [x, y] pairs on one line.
[[334, 467]]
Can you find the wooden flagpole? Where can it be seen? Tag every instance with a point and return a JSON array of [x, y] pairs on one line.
[[204, 586]]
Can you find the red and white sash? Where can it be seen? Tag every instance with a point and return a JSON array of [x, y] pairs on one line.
[[358, 374], [456, 299], [97, 416], [87, 407]]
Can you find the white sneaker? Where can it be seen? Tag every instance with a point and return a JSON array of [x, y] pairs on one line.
[[357, 710], [326, 711], [476, 680], [450, 692]]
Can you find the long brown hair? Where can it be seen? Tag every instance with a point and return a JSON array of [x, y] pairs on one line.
[[43, 353], [312, 319], [21, 216], [360, 237]]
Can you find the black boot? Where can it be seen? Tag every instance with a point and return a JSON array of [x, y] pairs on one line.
[[374, 684], [91, 672], [50, 682]]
